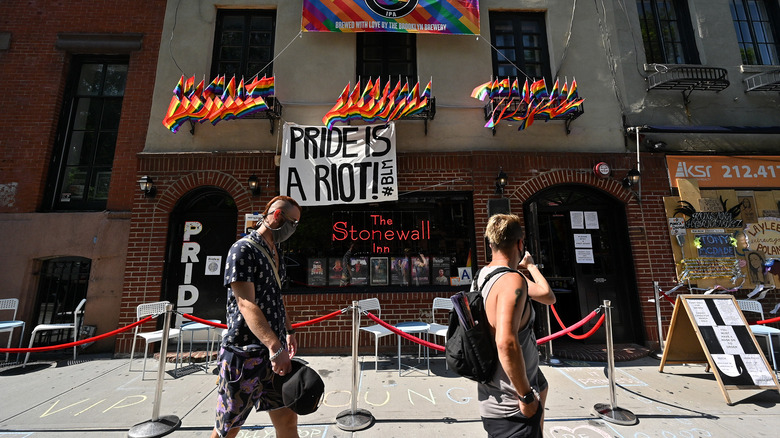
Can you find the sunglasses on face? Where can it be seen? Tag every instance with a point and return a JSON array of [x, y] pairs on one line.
[[287, 218]]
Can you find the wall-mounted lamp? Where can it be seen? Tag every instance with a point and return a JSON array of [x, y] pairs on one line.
[[631, 179], [147, 186], [254, 185], [501, 181]]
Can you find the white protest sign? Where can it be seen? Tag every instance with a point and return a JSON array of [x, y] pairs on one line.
[[344, 165]]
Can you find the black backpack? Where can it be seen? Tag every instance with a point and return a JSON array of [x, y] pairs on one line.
[[471, 352]]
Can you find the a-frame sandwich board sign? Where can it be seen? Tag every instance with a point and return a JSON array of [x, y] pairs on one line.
[[711, 329]]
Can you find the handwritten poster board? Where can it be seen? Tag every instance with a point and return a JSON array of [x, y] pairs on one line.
[[722, 339], [715, 245]]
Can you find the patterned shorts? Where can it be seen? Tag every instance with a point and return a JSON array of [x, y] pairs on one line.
[[245, 380]]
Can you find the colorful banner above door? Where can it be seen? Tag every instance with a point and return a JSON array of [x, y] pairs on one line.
[[450, 17]]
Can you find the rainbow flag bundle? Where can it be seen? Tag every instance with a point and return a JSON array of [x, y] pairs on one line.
[[376, 104], [216, 101], [531, 100]]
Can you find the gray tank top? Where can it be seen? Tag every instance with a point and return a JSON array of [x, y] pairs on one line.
[[497, 398]]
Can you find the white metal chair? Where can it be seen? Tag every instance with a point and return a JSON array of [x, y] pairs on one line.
[[377, 330], [760, 330], [439, 329], [77, 315], [10, 325], [142, 311]]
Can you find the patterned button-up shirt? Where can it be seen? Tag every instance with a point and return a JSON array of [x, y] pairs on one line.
[[247, 263]]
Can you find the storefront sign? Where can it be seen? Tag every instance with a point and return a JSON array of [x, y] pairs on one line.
[[382, 233], [764, 236], [406, 16], [720, 171], [343, 165]]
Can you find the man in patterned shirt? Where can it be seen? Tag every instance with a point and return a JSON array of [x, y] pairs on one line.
[[259, 341]]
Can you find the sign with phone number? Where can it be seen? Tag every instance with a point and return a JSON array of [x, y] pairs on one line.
[[722, 171]]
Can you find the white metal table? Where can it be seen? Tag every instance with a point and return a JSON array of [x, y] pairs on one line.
[[192, 327], [413, 327]]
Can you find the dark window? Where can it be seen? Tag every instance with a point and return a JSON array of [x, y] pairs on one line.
[[520, 39], [386, 56], [667, 32], [388, 240], [753, 21], [62, 284], [244, 44], [81, 165]]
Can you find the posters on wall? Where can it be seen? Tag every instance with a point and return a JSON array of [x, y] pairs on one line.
[[359, 266], [406, 16], [733, 245], [440, 268], [379, 271], [420, 266], [316, 271], [343, 165], [399, 271]]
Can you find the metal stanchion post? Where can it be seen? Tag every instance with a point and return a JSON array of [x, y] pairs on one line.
[[612, 412], [551, 359], [660, 353], [354, 418], [158, 426]]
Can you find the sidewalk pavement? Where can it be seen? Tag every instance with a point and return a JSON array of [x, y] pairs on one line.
[[97, 396]]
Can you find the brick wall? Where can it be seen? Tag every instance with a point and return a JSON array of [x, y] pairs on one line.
[[176, 174], [34, 72]]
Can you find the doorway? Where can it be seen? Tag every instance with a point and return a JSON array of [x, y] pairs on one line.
[[202, 229], [580, 237]]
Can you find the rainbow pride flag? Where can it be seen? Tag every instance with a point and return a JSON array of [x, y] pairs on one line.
[[532, 101], [216, 101]]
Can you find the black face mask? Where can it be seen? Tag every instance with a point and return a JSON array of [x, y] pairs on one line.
[[283, 232]]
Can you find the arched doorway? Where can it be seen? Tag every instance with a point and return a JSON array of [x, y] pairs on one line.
[[580, 236], [201, 230]]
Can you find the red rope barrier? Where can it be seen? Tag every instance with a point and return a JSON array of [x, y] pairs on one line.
[[764, 321], [563, 332], [404, 334], [316, 320], [668, 298], [586, 335], [73, 344], [296, 325]]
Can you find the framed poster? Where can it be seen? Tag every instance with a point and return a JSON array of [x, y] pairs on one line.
[[421, 270], [359, 267], [399, 271], [379, 271], [440, 267], [316, 271], [335, 271]]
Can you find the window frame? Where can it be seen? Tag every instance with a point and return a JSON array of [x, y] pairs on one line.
[[266, 65], [60, 160], [451, 236], [687, 42], [772, 21], [517, 18], [387, 41]]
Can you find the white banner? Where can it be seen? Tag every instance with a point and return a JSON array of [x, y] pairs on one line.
[[344, 165]]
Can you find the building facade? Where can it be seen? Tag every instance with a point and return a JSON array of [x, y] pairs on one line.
[[648, 92]]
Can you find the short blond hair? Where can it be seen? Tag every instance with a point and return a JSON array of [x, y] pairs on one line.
[[503, 231]]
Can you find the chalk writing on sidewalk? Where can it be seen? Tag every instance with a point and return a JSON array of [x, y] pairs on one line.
[[342, 398], [82, 406]]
